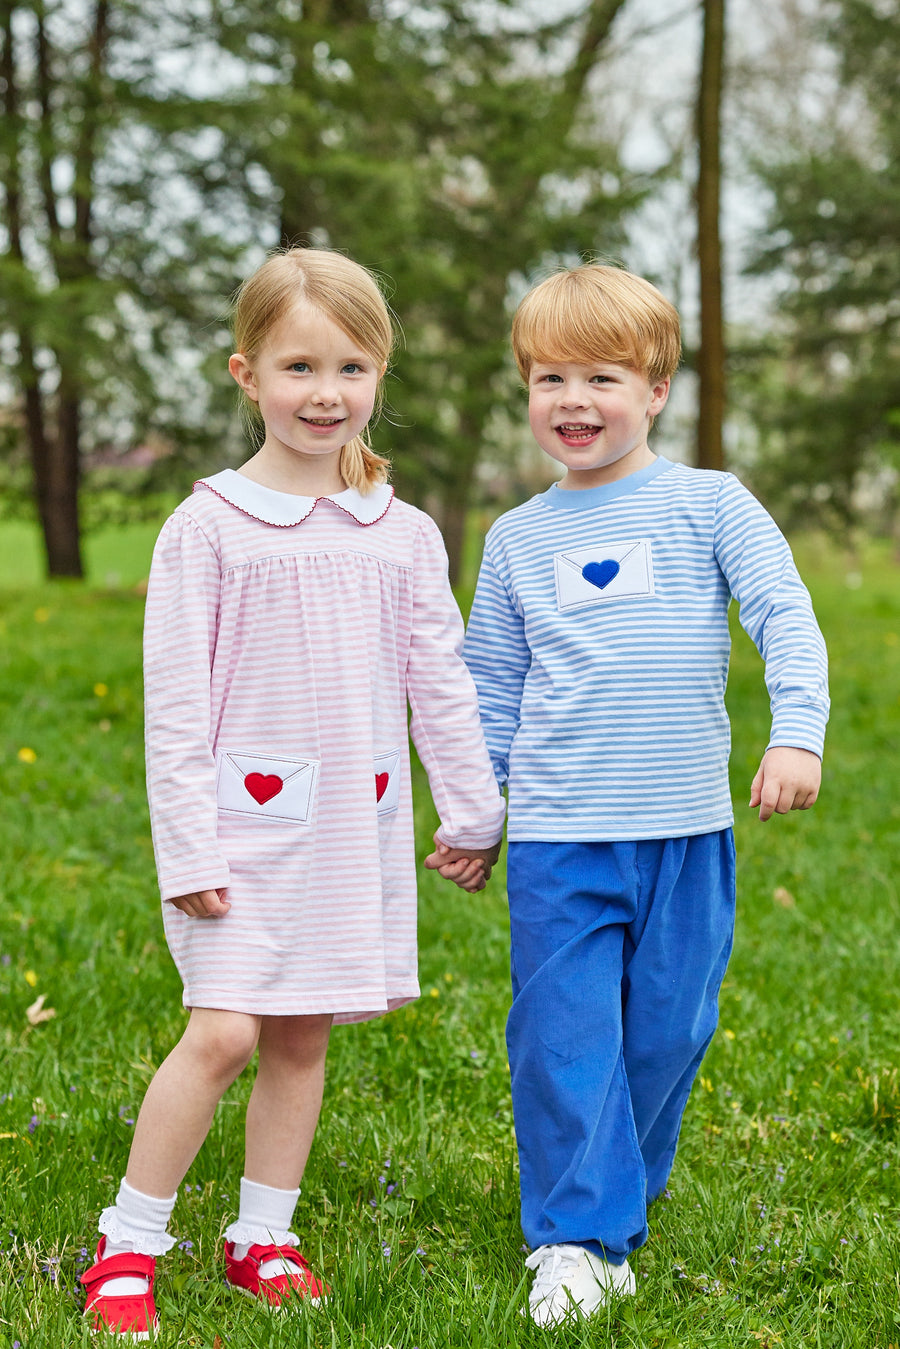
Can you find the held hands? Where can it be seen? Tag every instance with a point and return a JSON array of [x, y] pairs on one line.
[[788, 779], [468, 867], [203, 904]]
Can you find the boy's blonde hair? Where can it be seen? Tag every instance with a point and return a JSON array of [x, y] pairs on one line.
[[598, 313], [350, 296]]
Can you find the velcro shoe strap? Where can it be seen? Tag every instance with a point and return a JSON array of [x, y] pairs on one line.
[[118, 1266]]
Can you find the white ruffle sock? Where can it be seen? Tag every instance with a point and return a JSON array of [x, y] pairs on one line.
[[136, 1222], [264, 1219]]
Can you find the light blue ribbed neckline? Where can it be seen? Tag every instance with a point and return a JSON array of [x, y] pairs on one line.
[[563, 499]]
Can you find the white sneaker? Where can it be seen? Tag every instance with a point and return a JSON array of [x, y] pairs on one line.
[[570, 1281]]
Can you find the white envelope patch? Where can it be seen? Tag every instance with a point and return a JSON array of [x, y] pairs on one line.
[[607, 571], [387, 782], [270, 786]]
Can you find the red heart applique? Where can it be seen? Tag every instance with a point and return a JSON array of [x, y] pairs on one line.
[[262, 787], [381, 782]]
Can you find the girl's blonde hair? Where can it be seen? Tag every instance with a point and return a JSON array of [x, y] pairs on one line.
[[349, 295], [598, 313]]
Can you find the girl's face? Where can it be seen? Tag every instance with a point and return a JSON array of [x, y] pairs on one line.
[[315, 388]]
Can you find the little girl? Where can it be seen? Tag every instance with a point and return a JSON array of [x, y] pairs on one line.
[[294, 607]]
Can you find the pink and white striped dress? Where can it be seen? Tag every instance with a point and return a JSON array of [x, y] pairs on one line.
[[284, 638]]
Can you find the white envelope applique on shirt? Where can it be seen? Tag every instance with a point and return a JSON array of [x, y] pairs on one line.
[[268, 786], [387, 782], [603, 572]]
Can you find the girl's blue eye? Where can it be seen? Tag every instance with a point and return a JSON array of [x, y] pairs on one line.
[[300, 366], [352, 368]]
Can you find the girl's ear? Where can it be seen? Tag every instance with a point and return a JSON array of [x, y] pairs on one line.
[[241, 372]]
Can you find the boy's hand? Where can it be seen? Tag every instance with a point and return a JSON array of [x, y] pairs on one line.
[[468, 867], [788, 779], [203, 904]]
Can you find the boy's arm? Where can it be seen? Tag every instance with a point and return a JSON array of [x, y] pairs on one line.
[[776, 612], [498, 656]]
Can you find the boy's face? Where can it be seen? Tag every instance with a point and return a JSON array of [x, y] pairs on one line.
[[593, 418]]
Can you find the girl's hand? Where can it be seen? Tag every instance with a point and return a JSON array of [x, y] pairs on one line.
[[469, 868], [203, 904]]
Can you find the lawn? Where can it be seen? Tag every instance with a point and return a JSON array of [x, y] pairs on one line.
[[781, 1224]]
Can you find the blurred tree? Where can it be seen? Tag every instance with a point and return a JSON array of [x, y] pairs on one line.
[[451, 147], [827, 387], [99, 292], [710, 358]]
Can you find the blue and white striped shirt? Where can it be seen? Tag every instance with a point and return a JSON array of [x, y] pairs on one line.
[[599, 644]]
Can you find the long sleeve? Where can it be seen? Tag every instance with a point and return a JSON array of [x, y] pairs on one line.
[[179, 644], [497, 654], [445, 726], [777, 614]]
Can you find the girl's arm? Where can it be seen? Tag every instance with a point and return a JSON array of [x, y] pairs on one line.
[[179, 643], [444, 724]]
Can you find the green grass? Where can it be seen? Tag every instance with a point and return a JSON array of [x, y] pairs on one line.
[[782, 1222]]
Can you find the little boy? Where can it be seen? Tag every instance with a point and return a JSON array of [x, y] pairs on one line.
[[599, 643]]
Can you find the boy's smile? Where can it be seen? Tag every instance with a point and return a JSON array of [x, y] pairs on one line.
[[593, 418]]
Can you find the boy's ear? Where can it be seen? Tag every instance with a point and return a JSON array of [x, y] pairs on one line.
[[659, 393], [241, 372]]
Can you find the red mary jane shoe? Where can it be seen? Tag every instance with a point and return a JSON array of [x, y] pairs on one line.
[[129, 1315], [277, 1288]]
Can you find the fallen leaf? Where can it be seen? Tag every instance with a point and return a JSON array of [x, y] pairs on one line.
[[37, 1012], [783, 897]]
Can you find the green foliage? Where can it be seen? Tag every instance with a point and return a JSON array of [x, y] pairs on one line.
[[781, 1226], [451, 149], [828, 404]]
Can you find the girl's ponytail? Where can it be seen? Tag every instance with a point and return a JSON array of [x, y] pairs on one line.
[[361, 467]]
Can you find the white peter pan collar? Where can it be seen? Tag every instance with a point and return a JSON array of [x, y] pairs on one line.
[[283, 509]]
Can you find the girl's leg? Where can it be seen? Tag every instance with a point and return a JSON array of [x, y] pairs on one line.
[[180, 1102], [284, 1105], [281, 1120], [173, 1122]]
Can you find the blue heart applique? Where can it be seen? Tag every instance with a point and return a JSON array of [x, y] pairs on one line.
[[601, 573]]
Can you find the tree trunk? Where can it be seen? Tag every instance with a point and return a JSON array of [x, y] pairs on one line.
[[711, 356]]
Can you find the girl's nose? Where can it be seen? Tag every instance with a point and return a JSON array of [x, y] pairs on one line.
[[326, 393]]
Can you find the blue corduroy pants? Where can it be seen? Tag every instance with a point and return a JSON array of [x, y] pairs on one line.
[[618, 954]]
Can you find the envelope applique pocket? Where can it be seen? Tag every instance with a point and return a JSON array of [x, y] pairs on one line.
[[387, 782], [270, 787], [603, 572]]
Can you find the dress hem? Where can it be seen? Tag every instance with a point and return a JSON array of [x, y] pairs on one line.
[[367, 1008]]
